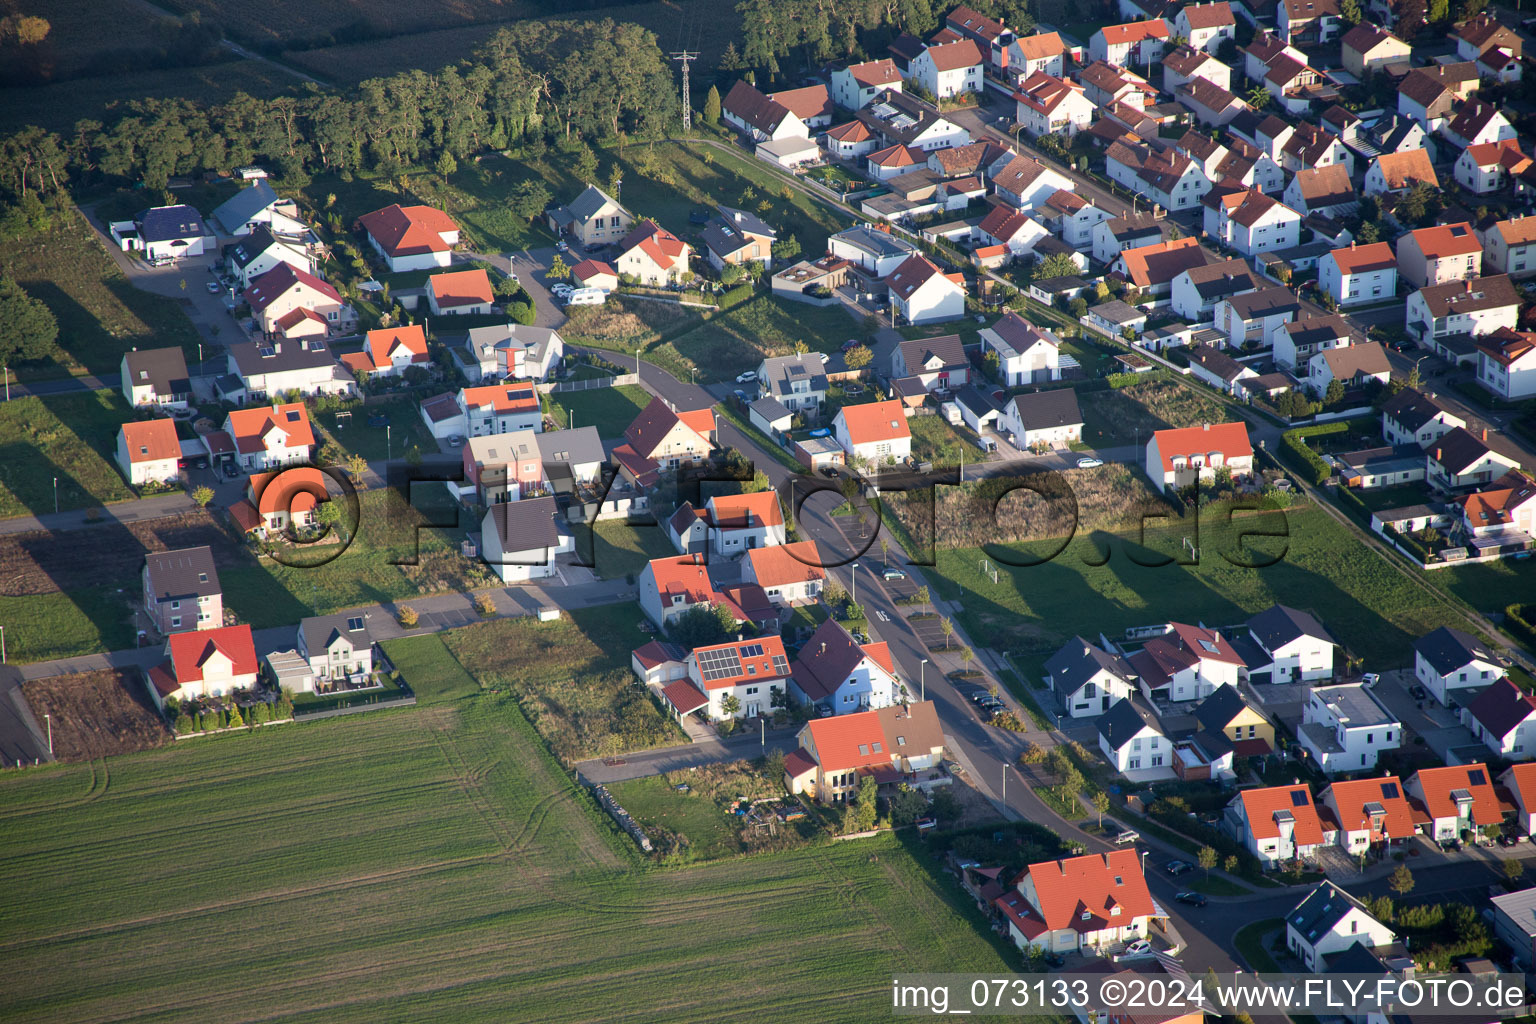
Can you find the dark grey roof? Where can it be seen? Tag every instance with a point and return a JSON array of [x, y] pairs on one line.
[[1322, 908], [578, 445], [165, 223], [252, 357], [1278, 625], [908, 387], [1501, 707], [1217, 362], [1214, 744], [251, 246], [1217, 711], [917, 351], [527, 524], [320, 630], [1412, 408], [164, 369], [1123, 721], [1044, 409], [876, 243], [1448, 649], [1252, 654], [1219, 280], [589, 202], [1458, 449], [178, 575], [1079, 660], [1133, 227], [1117, 311], [729, 232], [897, 117], [1406, 512], [237, 211], [780, 373], [1357, 959], [770, 408], [1271, 301], [979, 403]]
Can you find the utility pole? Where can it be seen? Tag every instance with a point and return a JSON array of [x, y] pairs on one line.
[[1005, 782], [684, 57], [49, 719]]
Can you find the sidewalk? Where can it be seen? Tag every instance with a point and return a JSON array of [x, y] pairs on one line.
[[134, 511]]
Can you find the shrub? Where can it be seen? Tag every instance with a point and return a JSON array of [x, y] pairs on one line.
[[1520, 622], [736, 296], [1308, 464], [407, 616], [1008, 720], [485, 604], [184, 724]]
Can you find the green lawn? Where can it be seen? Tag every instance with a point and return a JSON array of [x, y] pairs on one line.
[[41, 627], [376, 443], [622, 549], [1378, 498], [610, 410], [711, 833], [1129, 415], [1250, 943], [100, 314], [68, 437], [430, 671], [741, 337], [934, 440]]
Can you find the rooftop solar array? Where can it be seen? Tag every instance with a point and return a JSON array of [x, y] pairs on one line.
[[719, 664]]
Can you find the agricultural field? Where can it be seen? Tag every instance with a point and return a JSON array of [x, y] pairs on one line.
[[741, 337], [97, 714], [572, 678], [68, 437], [1372, 608], [611, 410], [1129, 415], [84, 34], [300, 849], [100, 314]]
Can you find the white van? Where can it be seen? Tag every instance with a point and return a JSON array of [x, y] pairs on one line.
[[587, 297]]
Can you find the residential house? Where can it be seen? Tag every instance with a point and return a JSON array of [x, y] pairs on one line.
[[1293, 645], [812, 105], [658, 663], [591, 219], [750, 674], [1345, 728], [836, 672], [1116, 89], [337, 647], [524, 464], [1072, 218], [936, 362], [1216, 368], [858, 85], [462, 292], [1393, 133], [663, 438], [288, 302], [1429, 95], [1368, 49], [595, 274], [902, 120], [1462, 308], [1506, 364], [1353, 366], [1134, 43], [270, 437], [729, 524], [1197, 290], [205, 663], [1027, 183], [156, 376], [1381, 466], [1307, 22], [737, 237], [257, 207], [761, 117], [490, 409], [165, 233], [877, 253], [411, 237], [1043, 52], [1462, 459], [261, 251], [519, 540], [921, 293], [182, 591], [1520, 782], [1322, 190], [1328, 922], [1294, 85], [1186, 663], [892, 162], [1116, 319], [653, 255], [1258, 223], [1371, 813], [1224, 713], [1278, 824], [1114, 236], [1043, 419], [1047, 105], [1449, 660], [1131, 739], [903, 744], [1212, 104], [1206, 25], [1153, 268], [1296, 343], [995, 39], [511, 351], [1358, 274], [670, 587], [1497, 50], [1176, 457], [797, 382], [849, 140], [790, 574], [1456, 798], [281, 500], [1514, 924], [1087, 679], [1439, 254], [1080, 904], [1509, 247], [1163, 175], [1412, 417], [1184, 64], [947, 70], [1478, 123], [1307, 145], [1397, 173], [1504, 717], [874, 431], [1263, 49], [1026, 354]]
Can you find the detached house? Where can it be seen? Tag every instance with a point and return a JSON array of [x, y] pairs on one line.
[[148, 451], [592, 218], [1367, 49], [790, 574], [165, 233], [1412, 417], [1354, 366], [337, 647], [1026, 354], [1257, 223], [949, 69], [1509, 247], [182, 591], [271, 437], [1371, 813], [487, 409], [1118, 234], [663, 438], [1043, 419], [261, 251], [1047, 105], [1043, 52], [1224, 713], [1520, 781], [1206, 25], [812, 104], [1429, 95], [1328, 922], [921, 293], [1152, 269], [1456, 798], [1439, 254], [156, 376], [1186, 663], [411, 237], [292, 303], [1504, 717], [836, 672], [205, 663], [525, 464], [1218, 369], [1080, 904], [1183, 65], [1307, 22], [1506, 364], [1296, 343], [856, 86], [1496, 50], [1087, 679], [874, 431], [753, 672], [462, 292], [764, 119], [1176, 457], [900, 745], [257, 207], [520, 540], [877, 253], [1135, 43], [1131, 739], [736, 236], [1322, 190], [670, 587], [1163, 175], [1397, 173], [1295, 647], [653, 255], [1278, 824], [728, 524], [1358, 274], [935, 362], [1478, 123], [1345, 728], [1450, 660], [1197, 290], [1461, 459], [281, 499], [1027, 183], [515, 351], [1462, 308]]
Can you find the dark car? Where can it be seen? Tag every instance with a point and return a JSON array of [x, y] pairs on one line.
[[231, 471], [1194, 899], [1178, 867]]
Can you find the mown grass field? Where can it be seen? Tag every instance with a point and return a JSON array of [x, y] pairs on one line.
[[622, 549], [376, 443], [934, 440], [427, 864], [41, 627], [71, 437], [610, 410], [740, 338]]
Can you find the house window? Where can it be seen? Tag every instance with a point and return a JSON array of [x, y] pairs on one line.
[[1132, 763], [175, 622], [751, 690]]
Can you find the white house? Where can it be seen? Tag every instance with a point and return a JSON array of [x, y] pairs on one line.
[[1253, 319], [1440, 254], [1296, 343], [1072, 218], [1358, 274], [1298, 647], [921, 293], [1081, 904], [205, 663], [1206, 25], [1329, 921], [1520, 781], [1370, 812], [1196, 291], [1186, 663], [1087, 679], [1449, 660], [1258, 223], [165, 233], [1134, 44], [1460, 458], [742, 522], [878, 253], [1478, 123], [1345, 728], [1043, 52], [1043, 419], [1165, 176], [1412, 417], [411, 237], [1353, 366], [257, 206], [1047, 105], [1506, 364], [1278, 824], [1176, 457], [947, 70], [1457, 798], [790, 574], [1504, 717], [259, 252], [1474, 307], [518, 351], [875, 431], [836, 672], [1218, 369], [1509, 247], [520, 539], [488, 409], [336, 646], [148, 451], [749, 111], [270, 437], [856, 86], [1026, 354], [389, 351], [1131, 739], [156, 376], [750, 673]]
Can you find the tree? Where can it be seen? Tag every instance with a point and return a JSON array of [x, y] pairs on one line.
[[1258, 97], [1206, 858], [730, 705], [1402, 880], [786, 248], [731, 274], [1230, 864], [921, 596], [858, 357], [1513, 869], [1369, 233], [1058, 264], [1438, 12], [329, 516], [1350, 13], [27, 328], [558, 271], [867, 810], [203, 495], [1101, 805], [235, 721], [712, 106], [408, 616], [1334, 393], [948, 629], [445, 166], [833, 593], [885, 550], [702, 625], [773, 763], [356, 467]]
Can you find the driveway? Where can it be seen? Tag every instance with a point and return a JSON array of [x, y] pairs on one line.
[[530, 266]]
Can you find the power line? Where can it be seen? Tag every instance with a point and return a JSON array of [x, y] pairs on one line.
[[685, 57]]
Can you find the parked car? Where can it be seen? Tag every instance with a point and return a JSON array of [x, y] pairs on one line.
[[851, 343], [231, 470], [561, 290], [1417, 692], [1138, 947], [1370, 679], [1194, 899], [1178, 867], [1088, 462], [893, 574], [1125, 836], [825, 359], [560, 246], [214, 288], [201, 462], [746, 377], [455, 440]]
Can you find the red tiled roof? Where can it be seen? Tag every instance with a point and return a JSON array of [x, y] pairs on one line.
[[1523, 778], [409, 230], [747, 103], [1014, 907], [1169, 258], [1495, 507], [812, 101], [1260, 806], [875, 72], [830, 656], [685, 697], [657, 652], [661, 246], [296, 316], [1003, 222], [798, 763], [1135, 31], [1041, 45], [267, 288], [838, 739], [657, 419], [1351, 799], [1231, 439], [462, 288], [295, 490], [586, 270], [249, 427], [873, 422], [895, 156], [963, 53], [1445, 240], [1507, 346], [851, 131], [1212, 15], [1437, 784], [1400, 170], [685, 575], [191, 651], [380, 345], [1091, 885], [245, 515], [517, 397], [744, 511], [783, 564], [754, 658], [1361, 259], [151, 440]]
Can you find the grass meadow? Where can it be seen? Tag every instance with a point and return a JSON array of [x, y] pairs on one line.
[[610, 410], [432, 863], [68, 437]]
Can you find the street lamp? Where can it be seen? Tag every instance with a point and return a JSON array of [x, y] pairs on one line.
[[1005, 782], [55, 495], [49, 719], [853, 572], [922, 685], [2, 645]]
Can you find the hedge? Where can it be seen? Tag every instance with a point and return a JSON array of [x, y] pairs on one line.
[[1310, 465], [1520, 623], [737, 295], [1408, 541], [1351, 502]]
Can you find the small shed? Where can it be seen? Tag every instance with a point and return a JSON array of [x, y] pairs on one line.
[[291, 671]]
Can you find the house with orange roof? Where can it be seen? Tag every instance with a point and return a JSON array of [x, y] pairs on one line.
[[1371, 813], [1278, 824], [898, 745], [1396, 173], [670, 587], [595, 274], [790, 574], [812, 104], [885, 164], [1454, 799], [1359, 273], [1082, 904], [921, 293], [949, 69], [1509, 246], [462, 292], [1506, 363], [729, 524], [1152, 268], [500, 408], [205, 663], [592, 218], [1520, 782], [1504, 717], [1048, 105], [663, 438], [411, 237], [659, 662], [1176, 457], [1043, 52], [836, 672], [290, 303], [849, 140], [1136, 43], [875, 431], [653, 255], [1186, 663], [1505, 510], [857, 85], [272, 436], [753, 671], [389, 351], [281, 498], [1440, 254], [148, 451], [749, 111]]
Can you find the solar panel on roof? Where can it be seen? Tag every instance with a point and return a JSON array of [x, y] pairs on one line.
[[753, 650], [355, 622], [1476, 777], [1298, 798], [720, 664], [1389, 790], [781, 664]]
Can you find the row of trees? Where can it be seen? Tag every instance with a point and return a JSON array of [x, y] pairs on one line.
[[559, 82]]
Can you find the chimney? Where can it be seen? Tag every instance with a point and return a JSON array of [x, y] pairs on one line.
[[1205, 426], [1439, 453], [823, 647], [1485, 433]]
